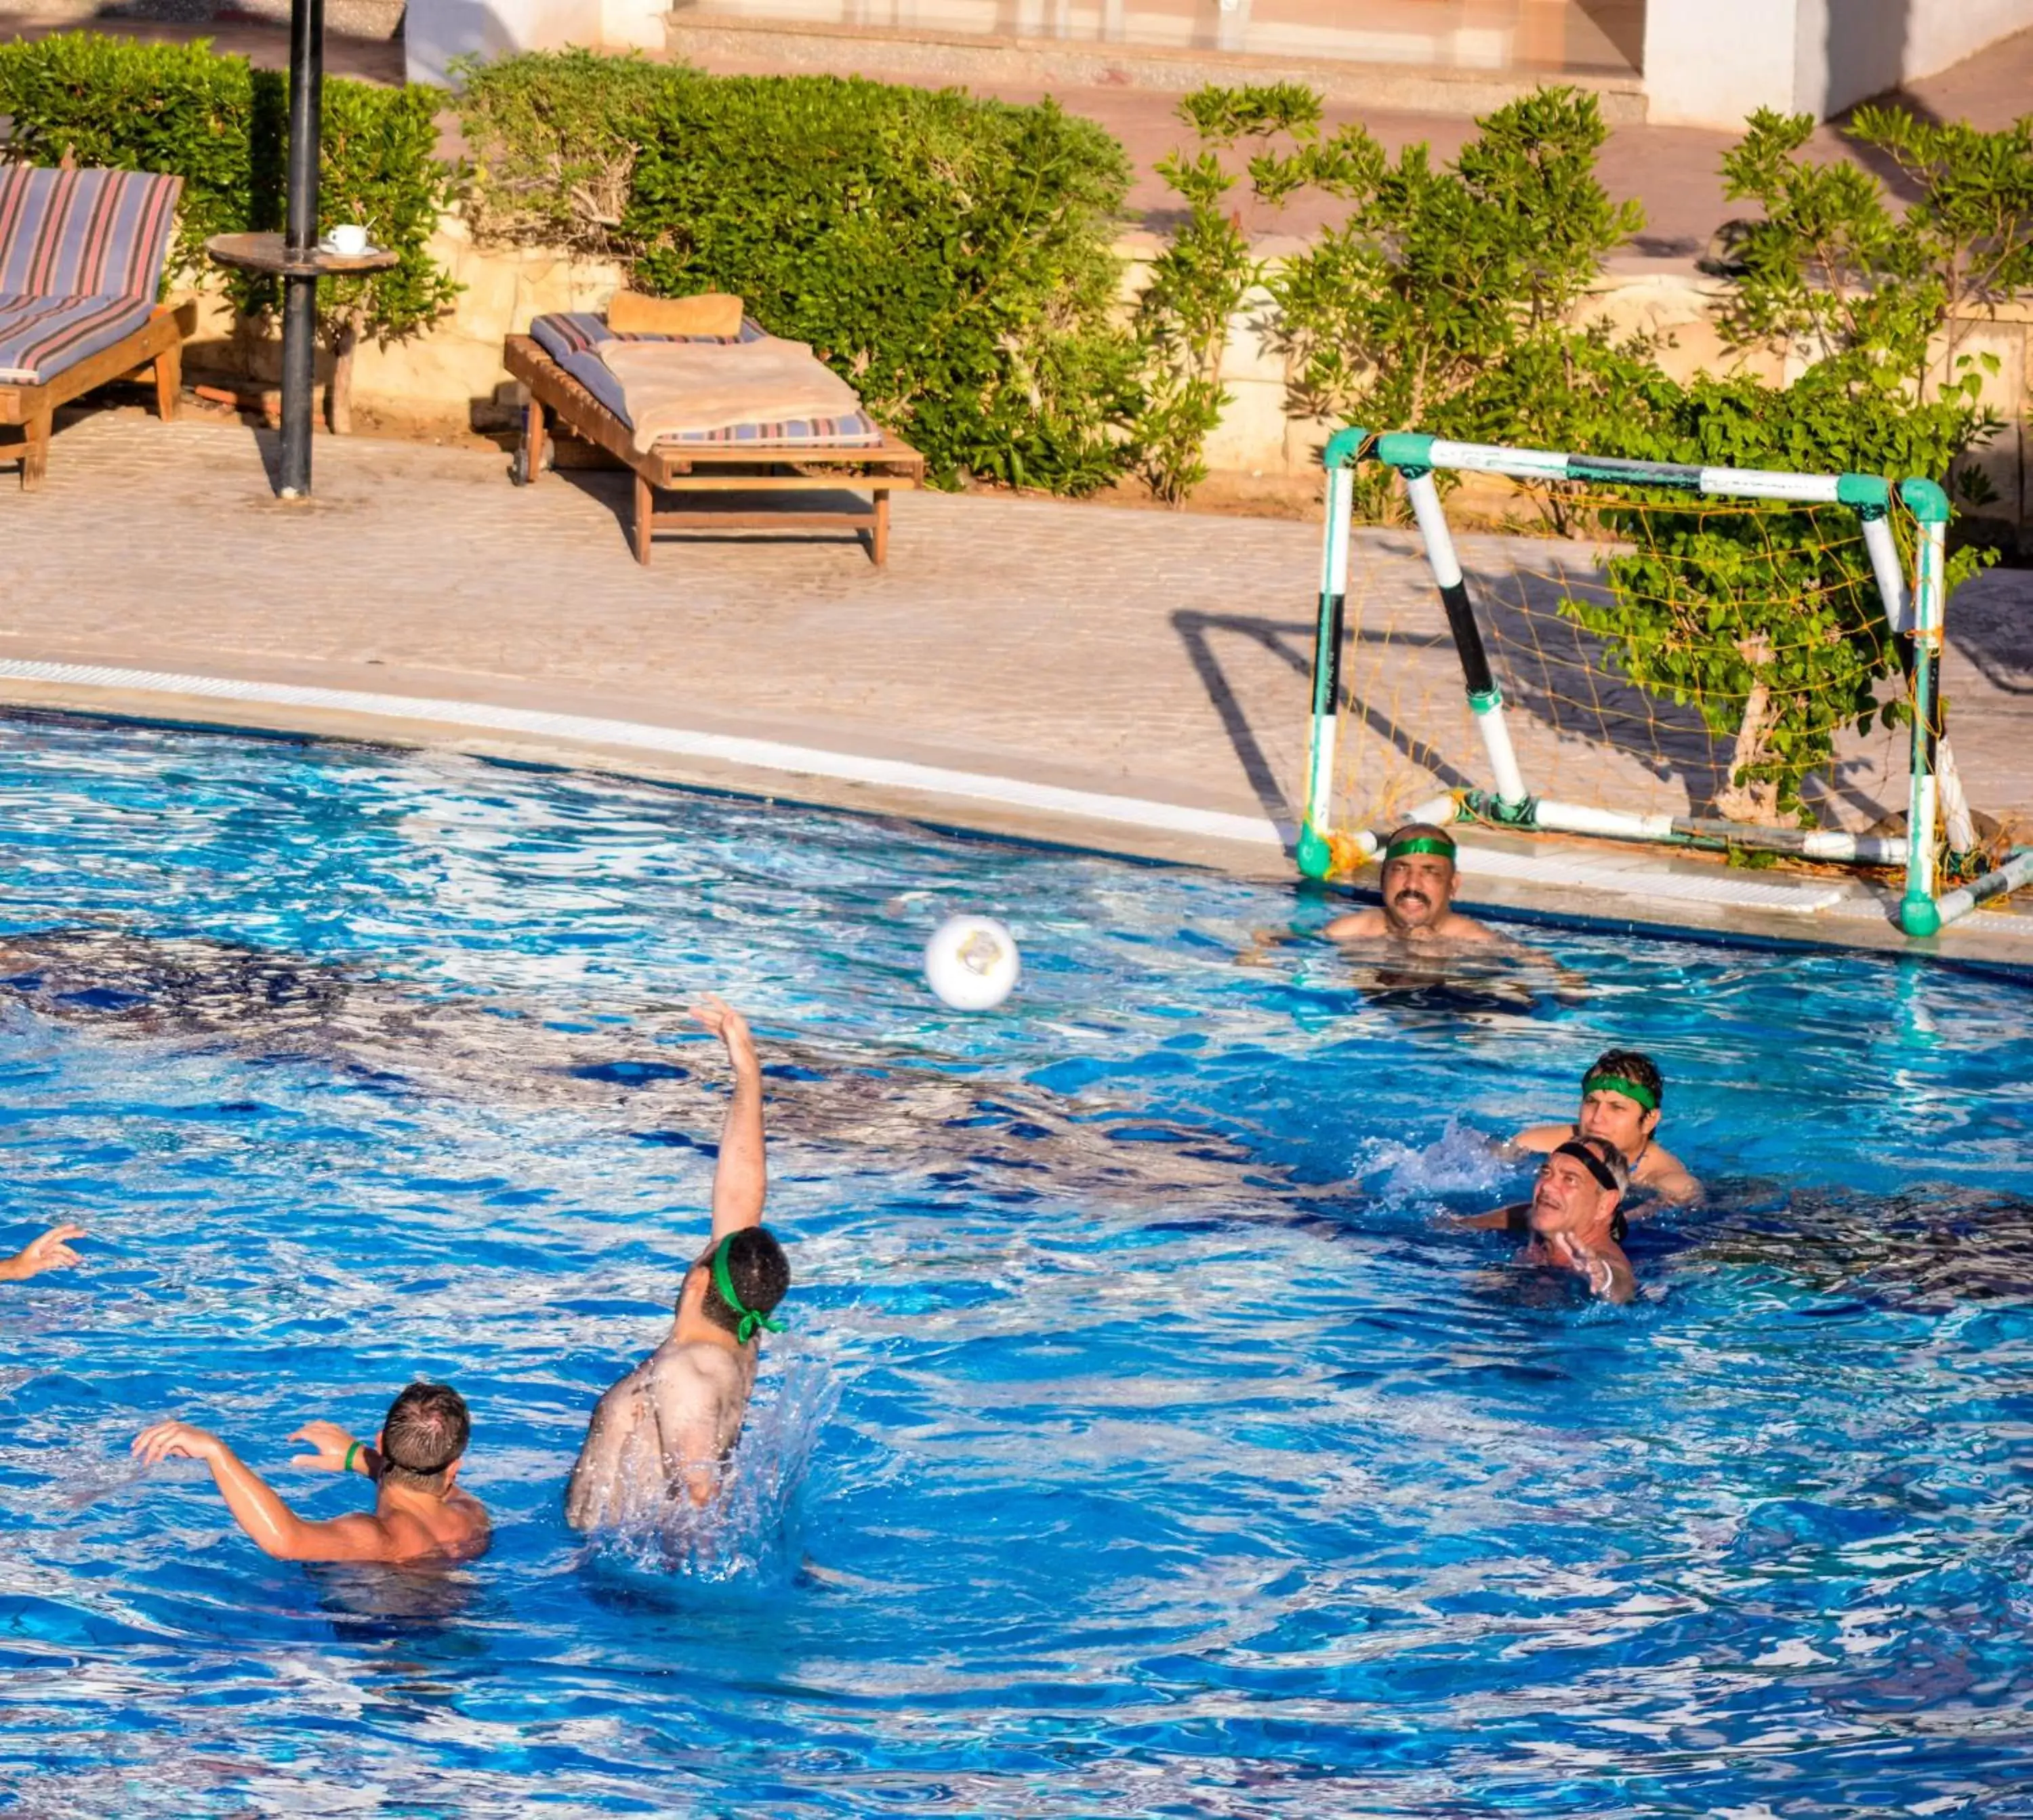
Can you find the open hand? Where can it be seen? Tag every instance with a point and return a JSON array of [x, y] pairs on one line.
[[51, 1252], [331, 1441], [177, 1441], [730, 1026]]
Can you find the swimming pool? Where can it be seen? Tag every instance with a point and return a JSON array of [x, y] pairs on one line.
[[1140, 1446]]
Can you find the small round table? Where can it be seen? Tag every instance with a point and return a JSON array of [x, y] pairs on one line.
[[266, 252]]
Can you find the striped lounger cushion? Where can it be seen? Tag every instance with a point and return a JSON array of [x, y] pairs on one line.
[[569, 339], [82, 256]]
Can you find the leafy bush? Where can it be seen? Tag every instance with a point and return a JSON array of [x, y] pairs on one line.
[[1766, 618], [553, 141], [1199, 281], [950, 257], [1444, 299], [1833, 269], [1444, 287], [223, 128]]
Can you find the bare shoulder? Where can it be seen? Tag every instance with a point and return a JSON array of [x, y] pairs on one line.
[[1542, 1137], [695, 1370], [1668, 1177], [1358, 926], [458, 1531], [1466, 929]]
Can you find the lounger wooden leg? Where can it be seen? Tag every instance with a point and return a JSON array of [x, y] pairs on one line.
[[879, 550], [36, 450], [646, 519], [169, 380], [533, 441]]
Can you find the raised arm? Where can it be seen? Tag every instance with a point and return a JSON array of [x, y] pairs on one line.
[[51, 1252], [272, 1526], [741, 1177]]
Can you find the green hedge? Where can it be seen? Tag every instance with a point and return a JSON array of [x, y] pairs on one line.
[[222, 127], [950, 257]]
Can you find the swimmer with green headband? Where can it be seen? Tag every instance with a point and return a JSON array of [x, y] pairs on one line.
[[666, 1430], [1417, 878], [1623, 1095]]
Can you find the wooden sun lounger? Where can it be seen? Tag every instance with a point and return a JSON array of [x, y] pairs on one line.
[[556, 398], [81, 259], [154, 350]]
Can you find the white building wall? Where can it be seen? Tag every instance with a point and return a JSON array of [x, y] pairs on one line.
[[435, 30], [1710, 62]]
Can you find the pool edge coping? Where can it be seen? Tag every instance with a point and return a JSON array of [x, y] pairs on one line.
[[975, 803]]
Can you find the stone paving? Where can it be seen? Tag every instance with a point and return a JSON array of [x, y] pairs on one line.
[[1155, 655]]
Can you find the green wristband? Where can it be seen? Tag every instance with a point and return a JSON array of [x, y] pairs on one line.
[[350, 1452]]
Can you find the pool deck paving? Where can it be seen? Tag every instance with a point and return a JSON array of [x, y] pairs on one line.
[[1134, 681]]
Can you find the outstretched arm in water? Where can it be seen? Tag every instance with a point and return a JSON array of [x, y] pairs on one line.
[[51, 1252], [273, 1527], [741, 1177]]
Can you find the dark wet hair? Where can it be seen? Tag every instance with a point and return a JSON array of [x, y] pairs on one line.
[[1633, 1066], [425, 1429], [758, 1270]]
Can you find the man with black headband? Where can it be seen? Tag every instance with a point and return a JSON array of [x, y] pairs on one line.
[[1418, 886], [1622, 1095], [1572, 1222], [420, 1517], [666, 1429]]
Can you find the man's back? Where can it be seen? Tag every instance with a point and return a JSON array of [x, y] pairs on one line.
[[662, 1433], [452, 1528]]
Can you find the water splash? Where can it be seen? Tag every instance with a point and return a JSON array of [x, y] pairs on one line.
[[1462, 1163], [749, 1532]]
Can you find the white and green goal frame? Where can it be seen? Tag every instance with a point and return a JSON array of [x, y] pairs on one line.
[[1915, 617]]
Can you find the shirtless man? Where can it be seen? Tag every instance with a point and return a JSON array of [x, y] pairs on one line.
[[51, 1252], [1418, 887], [1621, 1096], [666, 1429], [420, 1518], [1571, 1221]]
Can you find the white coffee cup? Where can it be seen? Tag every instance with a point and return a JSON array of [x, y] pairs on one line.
[[349, 239]]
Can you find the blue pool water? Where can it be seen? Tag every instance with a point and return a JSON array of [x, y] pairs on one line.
[[1142, 1444]]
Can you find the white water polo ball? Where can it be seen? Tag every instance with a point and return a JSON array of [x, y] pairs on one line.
[[971, 962]]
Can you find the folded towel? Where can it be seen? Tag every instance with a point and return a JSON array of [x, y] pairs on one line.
[[690, 388]]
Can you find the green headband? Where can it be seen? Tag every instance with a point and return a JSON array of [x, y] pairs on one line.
[[1438, 843], [750, 1318], [1620, 1084]]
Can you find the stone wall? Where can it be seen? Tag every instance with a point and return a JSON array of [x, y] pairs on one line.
[[452, 379]]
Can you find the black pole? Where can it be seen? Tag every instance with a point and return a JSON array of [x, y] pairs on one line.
[[300, 240]]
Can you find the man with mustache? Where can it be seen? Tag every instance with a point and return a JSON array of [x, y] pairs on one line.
[[1418, 885], [1572, 1222]]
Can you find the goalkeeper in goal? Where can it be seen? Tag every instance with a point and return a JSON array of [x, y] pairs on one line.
[[1418, 889]]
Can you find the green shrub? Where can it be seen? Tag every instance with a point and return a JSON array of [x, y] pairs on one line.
[[1766, 619], [223, 128], [552, 140], [950, 257], [1199, 281]]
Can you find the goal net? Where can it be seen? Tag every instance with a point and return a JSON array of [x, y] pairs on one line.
[[1711, 658]]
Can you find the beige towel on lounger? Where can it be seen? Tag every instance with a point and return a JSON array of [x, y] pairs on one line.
[[688, 387]]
